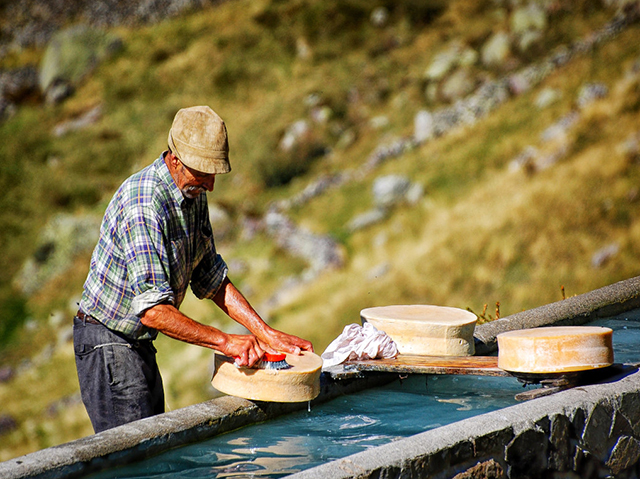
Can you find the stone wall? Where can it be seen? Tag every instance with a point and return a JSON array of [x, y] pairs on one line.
[[586, 432]]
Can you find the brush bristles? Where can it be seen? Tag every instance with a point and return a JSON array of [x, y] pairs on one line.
[[275, 365], [274, 362]]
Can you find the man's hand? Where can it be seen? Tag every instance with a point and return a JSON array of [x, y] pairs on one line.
[[232, 302], [244, 348], [283, 342]]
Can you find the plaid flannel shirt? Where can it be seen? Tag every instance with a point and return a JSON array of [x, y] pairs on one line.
[[152, 243]]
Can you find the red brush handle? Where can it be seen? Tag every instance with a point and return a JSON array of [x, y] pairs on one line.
[[274, 357]]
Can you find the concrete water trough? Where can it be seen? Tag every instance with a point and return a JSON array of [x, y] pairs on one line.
[[587, 431]]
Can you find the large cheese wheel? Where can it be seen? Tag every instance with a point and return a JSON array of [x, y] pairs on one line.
[[555, 349], [299, 383], [425, 330]]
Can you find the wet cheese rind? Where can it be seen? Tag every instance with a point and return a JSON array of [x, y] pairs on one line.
[[299, 383], [425, 330], [555, 349]]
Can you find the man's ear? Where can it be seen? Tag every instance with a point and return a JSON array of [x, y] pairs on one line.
[[175, 161]]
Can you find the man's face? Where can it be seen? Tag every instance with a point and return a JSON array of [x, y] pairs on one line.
[[192, 183]]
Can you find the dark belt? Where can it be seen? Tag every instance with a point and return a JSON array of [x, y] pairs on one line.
[[85, 318], [136, 343]]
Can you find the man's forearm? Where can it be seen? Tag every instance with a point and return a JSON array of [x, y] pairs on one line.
[[244, 348], [168, 320], [230, 300]]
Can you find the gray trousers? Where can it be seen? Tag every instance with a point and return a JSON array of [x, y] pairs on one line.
[[119, 379]]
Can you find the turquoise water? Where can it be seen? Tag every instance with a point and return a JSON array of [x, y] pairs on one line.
[[351, 424], [626, 336], [341, 427]]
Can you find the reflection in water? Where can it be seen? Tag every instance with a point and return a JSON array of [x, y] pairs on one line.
[[344, 426], [350, 424]]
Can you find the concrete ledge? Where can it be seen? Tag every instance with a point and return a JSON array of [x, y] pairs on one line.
[[145, 438], [576, 310]]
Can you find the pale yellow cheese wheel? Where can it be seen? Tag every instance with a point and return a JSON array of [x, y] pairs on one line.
[[299, 383], [555, 349], [425, 330]]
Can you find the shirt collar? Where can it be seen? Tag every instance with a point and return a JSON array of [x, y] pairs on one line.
[[165, 176]]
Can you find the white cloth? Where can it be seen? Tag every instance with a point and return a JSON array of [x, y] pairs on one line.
[[359, 342]]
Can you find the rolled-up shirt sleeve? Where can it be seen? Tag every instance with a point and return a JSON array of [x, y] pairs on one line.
[[209, 274], [147, 261]]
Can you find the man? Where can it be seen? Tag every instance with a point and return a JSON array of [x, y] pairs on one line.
[[155, 239]]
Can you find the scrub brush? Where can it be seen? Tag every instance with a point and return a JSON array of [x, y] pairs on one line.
[[274, 361]]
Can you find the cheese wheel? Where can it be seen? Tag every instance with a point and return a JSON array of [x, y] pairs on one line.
[[555, 349], [424, 329], [300, 382]]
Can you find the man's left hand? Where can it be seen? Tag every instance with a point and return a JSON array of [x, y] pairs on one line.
[[287, 343]]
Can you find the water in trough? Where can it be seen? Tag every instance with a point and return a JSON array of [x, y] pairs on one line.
[[350, 424]]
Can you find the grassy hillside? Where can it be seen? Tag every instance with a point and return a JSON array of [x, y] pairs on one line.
[[487, 229]]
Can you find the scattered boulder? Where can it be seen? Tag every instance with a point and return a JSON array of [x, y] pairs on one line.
[[442, 64], [16, 87], [295, 132], [320, 251], [457, 85], [528, 24], [321, 114], [547, 97], [366, 219], [558, 131], [454, 55], [591, 92], [379, 17], [303, 49], [390, 190], [528, 39], [62, 239], [90, 117], [70, 55], [527, 18], [603, 255], [423, 126], [379, 122], [496, 50]]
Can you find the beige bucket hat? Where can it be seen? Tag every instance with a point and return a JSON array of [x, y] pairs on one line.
[[198, 137]]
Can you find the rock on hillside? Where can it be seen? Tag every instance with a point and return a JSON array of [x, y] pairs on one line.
[[26, 23]]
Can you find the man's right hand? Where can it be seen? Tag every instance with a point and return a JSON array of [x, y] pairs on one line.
[[244, 348]]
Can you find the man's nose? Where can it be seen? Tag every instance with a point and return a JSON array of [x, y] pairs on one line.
[[209, 183]]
